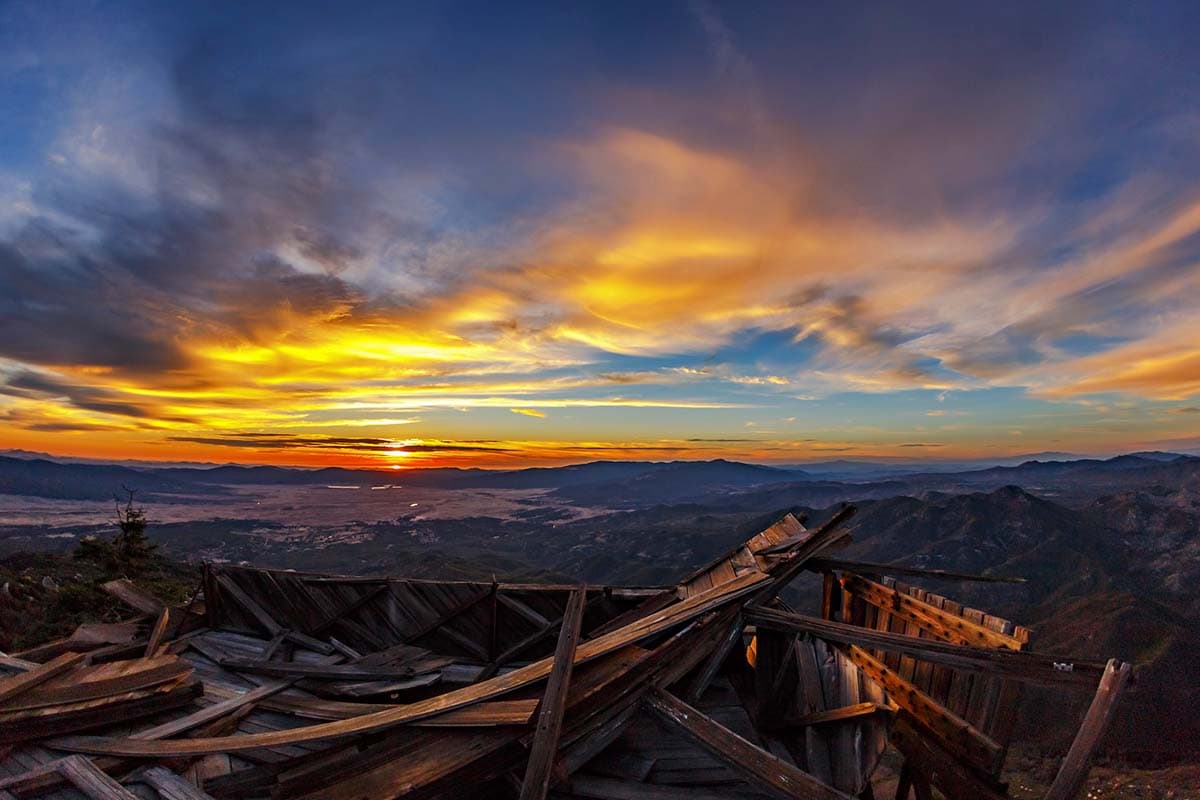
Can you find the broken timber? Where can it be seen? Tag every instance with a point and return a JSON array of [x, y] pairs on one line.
[[709, 689]]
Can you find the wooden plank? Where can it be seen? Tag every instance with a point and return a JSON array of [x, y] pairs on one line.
[[957, 733], [856, 711], [170, 786], [348, 609], [19, 664], [433, 624], [334, 672], [871, 568], [942, 624], [649, 626], [524, 610], [305, 706], [783, 536], [537, 636], [75, 770], [437, 769], [926, 761], [758, 766], [816, 746], [1073, 772], [786, 569], [602, 788], [786, 526], [829, 587], [158, 632], [550, 719], [244, 600], [89, 780], [210, 713], [848, 679], [1005, 719], [85, 715], [13, 685], [134, 597], [98, 682], [1023, 665], [650, 605], [465, 642], [308, 642], [713, 664]]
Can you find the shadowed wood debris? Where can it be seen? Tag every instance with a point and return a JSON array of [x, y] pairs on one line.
[[289, 685]]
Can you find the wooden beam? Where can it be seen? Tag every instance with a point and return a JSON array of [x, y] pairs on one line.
[[465, 642], [829, 588], [104, 681], [88, 779], [169, 785], [826, 564], [244, 600], [535, 637], [433, 624], [793, 541], [550, 719], [524, 610], [354, 605], [651, 605], [942, 624], [856, 711], [333, 672], [959, 735], [210, 713], [76, 770], [678, 614], [158, 632], [601, 788], [786, 569], [134, 597], [1023, 665], [713, 664], [758, 766], [308, 642], [1073, 772], [14, 685], [926, 759]]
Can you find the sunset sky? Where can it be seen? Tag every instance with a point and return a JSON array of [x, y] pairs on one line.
[[503, 234]]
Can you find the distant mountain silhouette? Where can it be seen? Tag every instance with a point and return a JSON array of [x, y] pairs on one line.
[[41, 478]]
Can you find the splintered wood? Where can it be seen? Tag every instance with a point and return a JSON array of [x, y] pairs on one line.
[[291, 685]]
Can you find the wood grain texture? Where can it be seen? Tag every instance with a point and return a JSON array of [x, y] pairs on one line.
[[1073, 772], [501, 684], [758, 766], [550, 719]]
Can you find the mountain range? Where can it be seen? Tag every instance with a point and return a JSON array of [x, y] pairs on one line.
[[1110, 548]]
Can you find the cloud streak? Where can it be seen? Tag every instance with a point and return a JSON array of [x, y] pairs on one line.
[[238, 238]]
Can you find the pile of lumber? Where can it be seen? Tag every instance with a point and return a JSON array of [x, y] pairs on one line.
[[291, 685]]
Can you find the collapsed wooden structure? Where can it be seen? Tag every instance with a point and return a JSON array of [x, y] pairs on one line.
[[288, 685]]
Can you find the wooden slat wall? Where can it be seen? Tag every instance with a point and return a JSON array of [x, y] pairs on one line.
[[440, 616], [985, 701]]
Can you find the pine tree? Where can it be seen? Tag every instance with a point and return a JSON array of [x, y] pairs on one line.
[[132, 551], [129, 552]]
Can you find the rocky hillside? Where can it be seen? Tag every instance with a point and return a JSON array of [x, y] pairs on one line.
[[1116, 579]]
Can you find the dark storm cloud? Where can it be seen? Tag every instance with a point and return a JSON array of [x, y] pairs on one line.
[[66, 309], [37, 386]]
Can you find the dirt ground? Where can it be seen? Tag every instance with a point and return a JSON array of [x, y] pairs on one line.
[[1029, 776]]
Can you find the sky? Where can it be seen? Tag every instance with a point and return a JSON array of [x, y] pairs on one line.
[[509, 234]]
